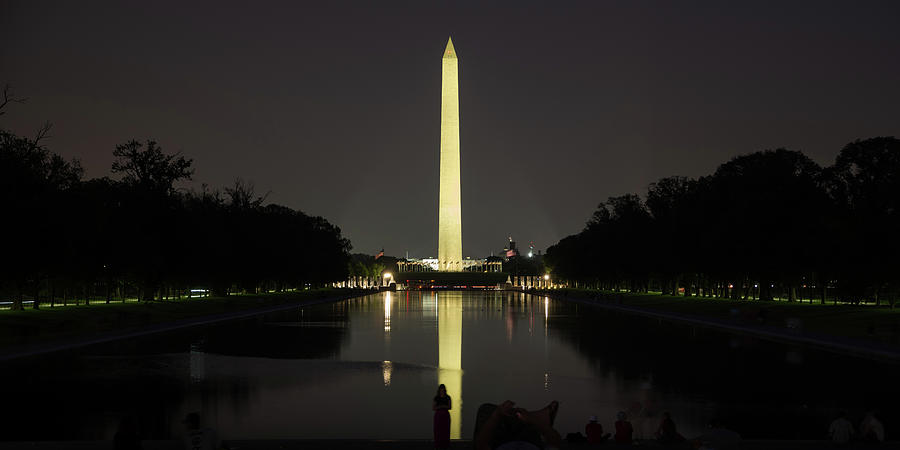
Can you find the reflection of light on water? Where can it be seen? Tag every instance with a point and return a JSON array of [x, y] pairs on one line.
[[387, 368], [387, 312], [450, 357], [509, 324], [450, 335], [546, 314], [429, 307], [531, 319], [197, 363]]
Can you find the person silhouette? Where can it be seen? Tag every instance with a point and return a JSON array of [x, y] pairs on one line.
[[594, 431], [667, 432], [441, 404], [871, 429], [624, 430], [841, 430]]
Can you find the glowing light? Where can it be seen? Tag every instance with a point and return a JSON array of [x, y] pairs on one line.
[[450, 357], [387, 369], [387, 274], [509, 325], [197, 363], [449, 203], [387, 312], [546, 276]]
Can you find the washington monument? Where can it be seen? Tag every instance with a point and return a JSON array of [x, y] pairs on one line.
[[450, 214]]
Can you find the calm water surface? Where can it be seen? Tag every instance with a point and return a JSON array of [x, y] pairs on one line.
[[368, 367]]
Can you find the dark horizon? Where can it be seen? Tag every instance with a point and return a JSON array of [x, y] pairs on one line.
[[335, 109]]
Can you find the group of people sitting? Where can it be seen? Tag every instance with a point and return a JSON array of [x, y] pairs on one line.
[[507, 427], [667, 433], [841, 430], [594, 431]]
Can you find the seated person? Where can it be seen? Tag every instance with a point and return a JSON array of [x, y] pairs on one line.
[[667, 433], [624, 430], [506, 427], [594, 431]]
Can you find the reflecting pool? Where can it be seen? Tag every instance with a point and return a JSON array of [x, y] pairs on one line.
[[369, 367]]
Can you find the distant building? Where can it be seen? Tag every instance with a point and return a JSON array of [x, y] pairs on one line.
[[510, 250], [433, 265]]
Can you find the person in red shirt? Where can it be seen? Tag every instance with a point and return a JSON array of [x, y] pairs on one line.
[[594, 431], [441, 406], [624, 430]]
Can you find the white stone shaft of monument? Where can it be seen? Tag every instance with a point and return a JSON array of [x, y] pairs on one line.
[[450, 211]]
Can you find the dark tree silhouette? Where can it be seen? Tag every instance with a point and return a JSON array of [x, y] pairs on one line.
[[148, 168], [75, 240], [33, 182], [764, 225], [140, 237], [865, 183], [672, 204]]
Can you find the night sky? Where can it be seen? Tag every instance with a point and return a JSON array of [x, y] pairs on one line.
[[334, 106]]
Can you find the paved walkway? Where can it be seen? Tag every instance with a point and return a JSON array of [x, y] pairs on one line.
[[360, 444], [855, 347]]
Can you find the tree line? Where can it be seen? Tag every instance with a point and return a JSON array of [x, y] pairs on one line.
[[68, 238], [764, 225]]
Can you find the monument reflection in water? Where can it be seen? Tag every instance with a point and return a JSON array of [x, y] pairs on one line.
[[450, 354], [449, 317]]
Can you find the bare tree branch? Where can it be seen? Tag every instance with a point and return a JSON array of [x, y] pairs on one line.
[[243, 195], [8, 98], [42, 133]]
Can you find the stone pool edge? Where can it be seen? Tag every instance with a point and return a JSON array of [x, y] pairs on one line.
[[52, 347], [848, 346]]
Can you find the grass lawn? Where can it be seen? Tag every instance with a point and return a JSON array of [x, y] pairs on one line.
[[53, 324], [838, 320]]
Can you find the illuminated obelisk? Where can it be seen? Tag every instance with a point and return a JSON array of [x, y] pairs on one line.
[[450, 214]]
